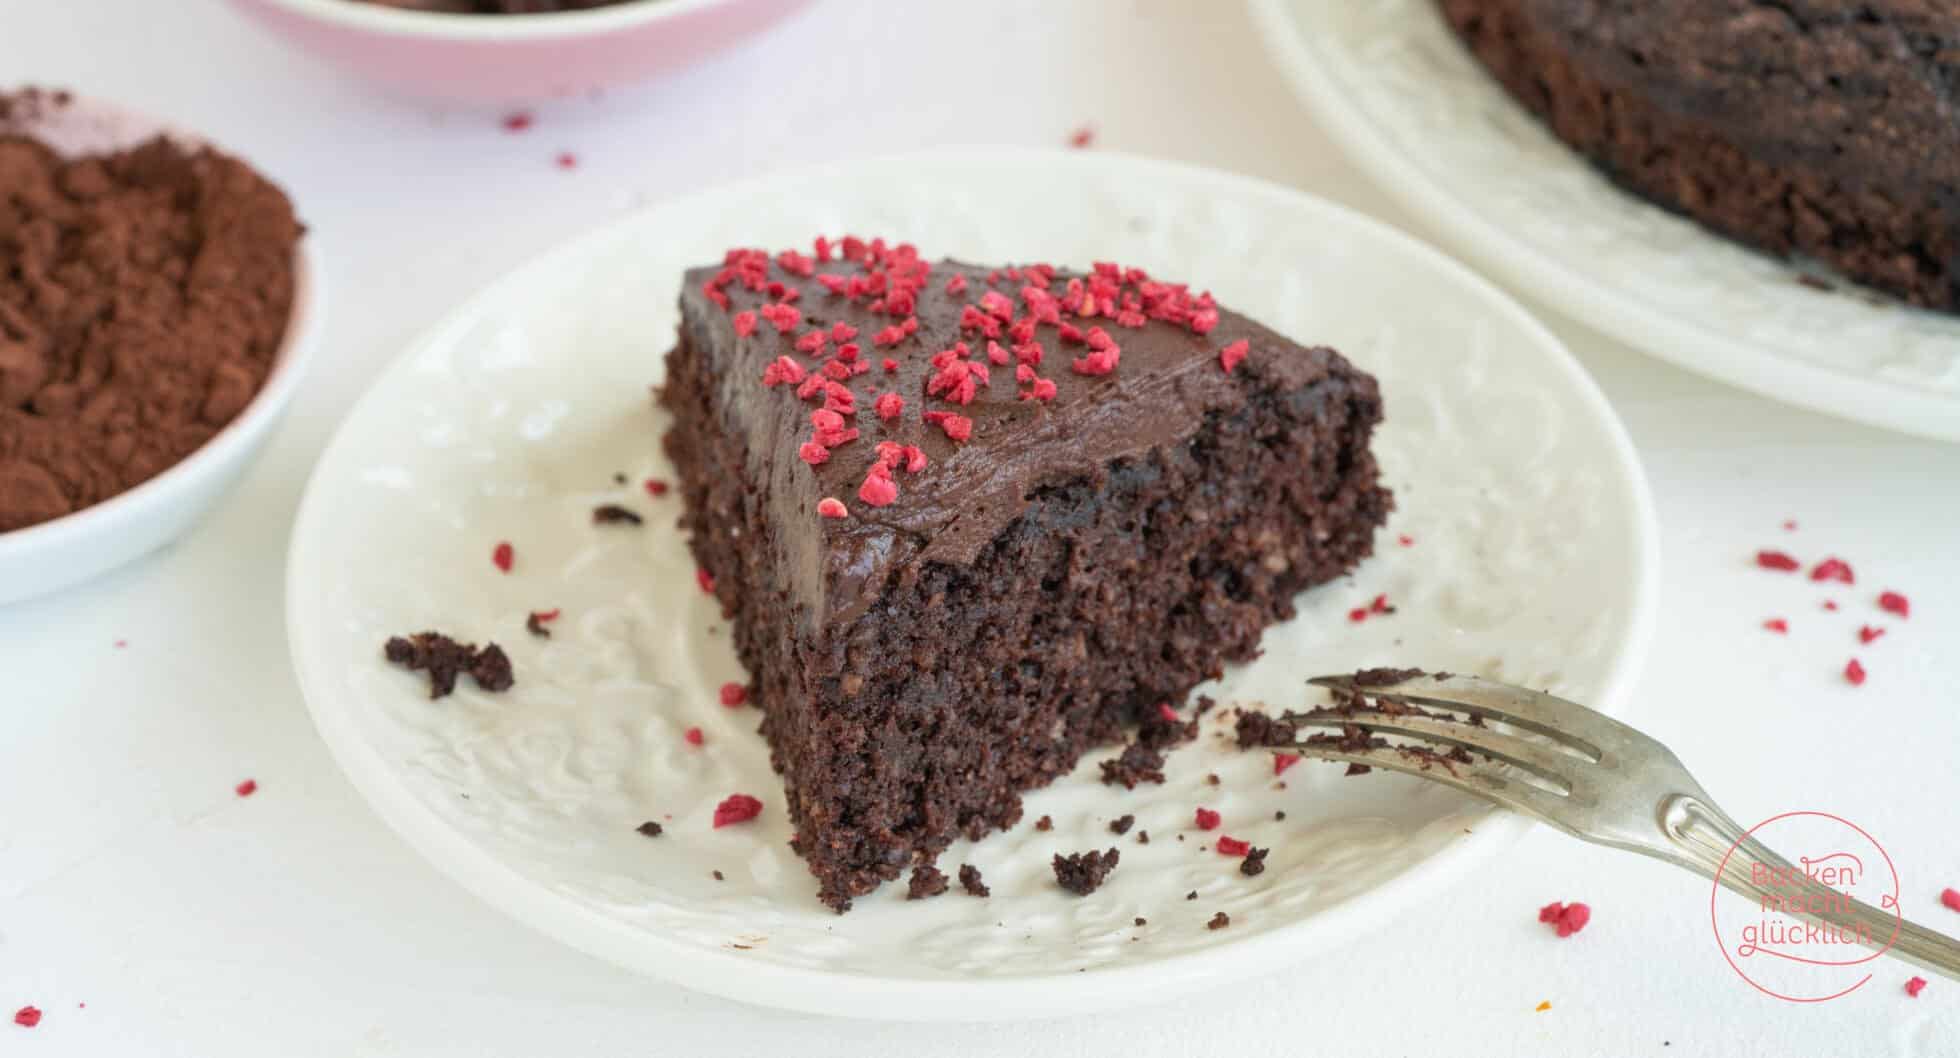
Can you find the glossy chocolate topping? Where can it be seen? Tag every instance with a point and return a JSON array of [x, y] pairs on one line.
[[1168, 379]]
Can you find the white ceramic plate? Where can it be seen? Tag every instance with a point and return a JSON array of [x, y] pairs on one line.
[[1390, 81], [1533, 558]]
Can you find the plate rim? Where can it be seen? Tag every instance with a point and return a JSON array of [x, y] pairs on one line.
[[809, 990], [1572, 292]]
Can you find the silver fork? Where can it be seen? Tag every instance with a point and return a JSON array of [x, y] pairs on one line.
[[1600, 780]]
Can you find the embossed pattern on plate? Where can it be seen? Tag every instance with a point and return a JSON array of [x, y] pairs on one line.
[[1532, 558], [1391, 81]]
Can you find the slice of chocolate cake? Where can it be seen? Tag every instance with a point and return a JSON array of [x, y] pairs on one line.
[[968, 522]]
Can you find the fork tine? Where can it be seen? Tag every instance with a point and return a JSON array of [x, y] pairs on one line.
[[1556, 718], [1549, 764], [1478, 779]]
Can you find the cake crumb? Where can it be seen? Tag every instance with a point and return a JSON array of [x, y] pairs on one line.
[[1254, 863], [444, 659], [1143, 837], [971, 882], [1219, 921], [927, 881], [650, 829], [1044, 824], [1138, 763], [614, 514], [1082, 873], [718, 876], [1141, 921], [1122, 824]]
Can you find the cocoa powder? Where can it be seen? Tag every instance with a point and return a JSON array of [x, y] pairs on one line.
[[143, 297]]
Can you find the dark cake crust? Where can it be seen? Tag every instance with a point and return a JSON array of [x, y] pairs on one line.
[[1033, 590], [1815, 128]]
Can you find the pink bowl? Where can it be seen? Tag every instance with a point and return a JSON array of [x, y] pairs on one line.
[[514, 58]]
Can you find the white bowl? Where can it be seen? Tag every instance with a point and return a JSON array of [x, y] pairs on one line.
[[514, 58], [90, 541]]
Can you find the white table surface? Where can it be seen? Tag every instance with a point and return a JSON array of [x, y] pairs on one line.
[[193, 922]]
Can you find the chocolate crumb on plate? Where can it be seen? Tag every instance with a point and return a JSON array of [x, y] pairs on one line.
[[1141, 921], [971, 882], [1122, 824], [1254, 863], [1219, 921], [614, 514], [1082, 873], [1044, 824], [1192, 895], [1137, 763], [927, 880], [444, 659], [650, 829], [534, 622], [717, 875], [1143, 837]]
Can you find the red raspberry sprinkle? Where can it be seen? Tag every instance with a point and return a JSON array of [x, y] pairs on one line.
[[954, 381], [812, 341], [1914, 986], [656, 487], [567, 160], [694, 736], [780, 370], [848, 352], [956, 285], [503, 555], [811, 387], [1854, 673], [915, 459], [889, 335], [1358, 615], [706, 580], [1950, 899], [1790, 525], [812, 453], [518, 121], [957, 427], [830, 428], [545, 617], [889, 365], [1071, 334], [1203, 321], [1893, 602], [1028, 353], [888, 405], [1082, 137], [822, 248], [783, 317], [744, 323], [1099, 362], [27, 1017], [1567, 919], [878, 490], [841, 332], [733, 694], [1866, 633], [1283, 761], [1777, 625], [1044, 389], [1228, 846], [1831, 604], [246, 788], [1833, 569], [1380, 605], [1170, 715], [1406, 540], [1778, 561], [832, 507], [1230, 356], [737, 808], [996, 355], [1208, 819]]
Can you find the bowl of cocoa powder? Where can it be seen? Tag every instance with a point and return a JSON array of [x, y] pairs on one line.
[[512, 51], [156, 304]]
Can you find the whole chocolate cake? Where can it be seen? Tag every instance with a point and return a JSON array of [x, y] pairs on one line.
[[1827, 129], [969, 522]]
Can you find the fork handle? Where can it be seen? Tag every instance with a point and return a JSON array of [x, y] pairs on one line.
[[1712, 844]]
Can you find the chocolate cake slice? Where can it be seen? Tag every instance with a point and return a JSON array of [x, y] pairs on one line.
[[969, 522]]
